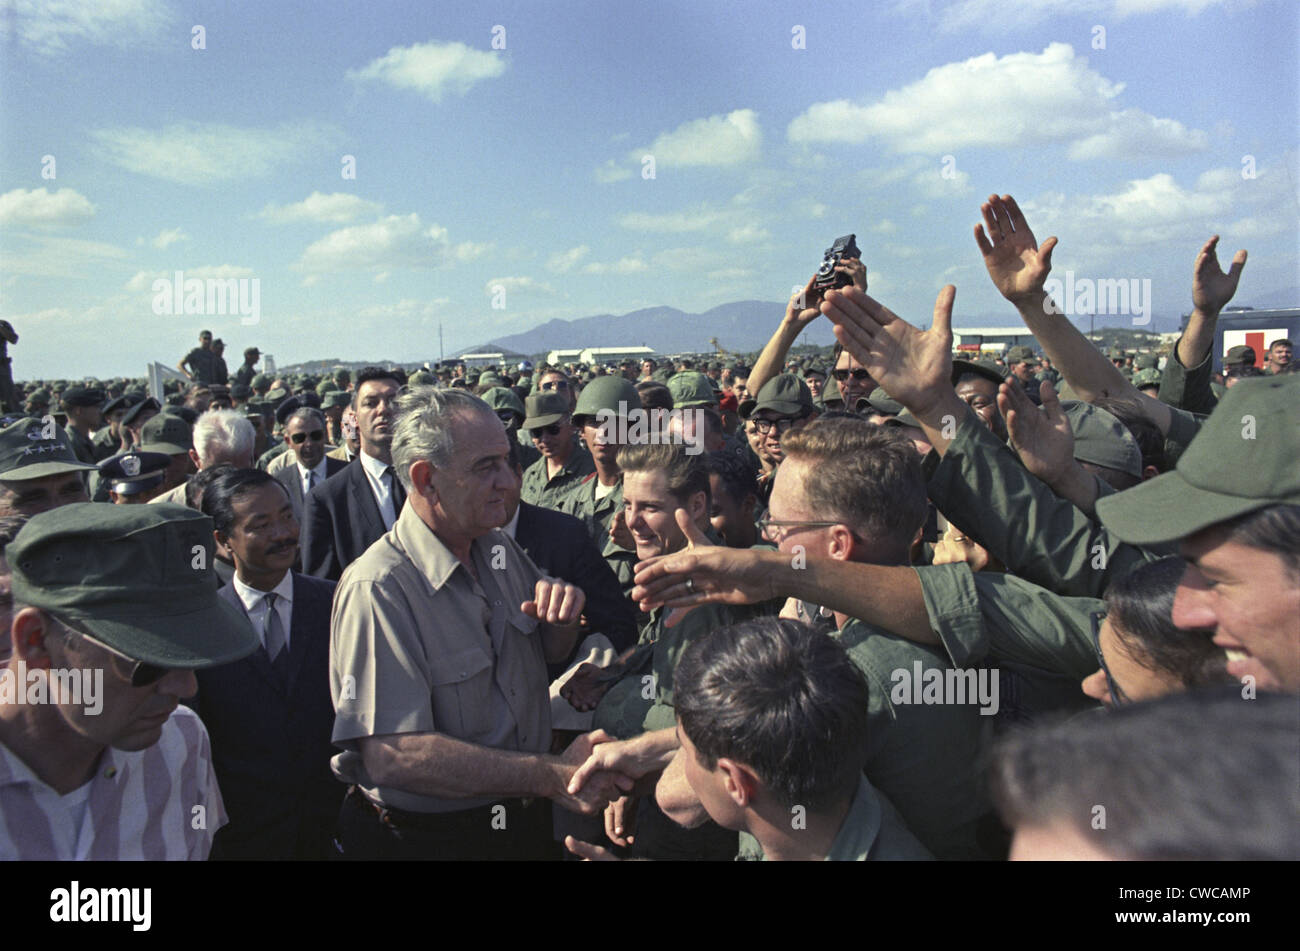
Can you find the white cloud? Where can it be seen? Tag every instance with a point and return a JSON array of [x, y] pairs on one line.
[[432, 69], [470, 250], [716, 140], [47, 256], [42, 208], [335, 208], [143, 280], [628, 265], [167, 237], [817, 210], [407, 307], [526, 284], [884, 226], [50, 27], [397, 241], [563, 261], [1059, 99], [199, 153], [730, 274], [676, 222], [747, 234], [612, 172]]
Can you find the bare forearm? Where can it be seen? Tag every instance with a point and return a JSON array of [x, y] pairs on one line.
[[772, 359], [431, 764], [1197, 338]]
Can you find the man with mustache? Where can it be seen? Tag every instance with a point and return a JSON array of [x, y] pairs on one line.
[[270, 714]]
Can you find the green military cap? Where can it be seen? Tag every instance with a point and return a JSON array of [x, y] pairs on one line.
[[983, 368], [336, 398], [1242, 460], [691, 390], [138, 578], [785, 393], [1021, 354], [1101, 439], [419, 378], [31, 449], [134, 471], [241, 391], [1146, 377], [831, 394], [342, 377], [148, 403], [1241, 356], [82, 396], [117, 403], [166, 433], [503, 398], [39, 397], [903, 418], [1146, 361], [1115, 353], [277, 395], [662, 375], [611, 393], [490, 379], [815, 369], [182, 412], [260, 381], [542, 409], [882, 403], [326, 386]]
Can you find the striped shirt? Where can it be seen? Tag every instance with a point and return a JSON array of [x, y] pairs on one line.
[[157, 803]]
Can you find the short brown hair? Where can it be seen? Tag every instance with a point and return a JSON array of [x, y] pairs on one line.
[[686, 474], [865, 475]]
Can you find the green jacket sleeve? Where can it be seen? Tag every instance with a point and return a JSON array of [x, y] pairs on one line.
[[982, 488], [987, 618], [1187, 388]]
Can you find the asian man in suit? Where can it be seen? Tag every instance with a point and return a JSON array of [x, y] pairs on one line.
[[270, 715], [345, 515]]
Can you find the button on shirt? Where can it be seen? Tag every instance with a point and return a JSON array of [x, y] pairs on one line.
[[418, 645], [254, 604], [379, 477], [139, 805]]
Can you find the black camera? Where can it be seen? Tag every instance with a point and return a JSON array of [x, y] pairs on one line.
[[827, 276]]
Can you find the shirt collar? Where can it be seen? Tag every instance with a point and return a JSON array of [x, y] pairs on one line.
[[861, 826], [251, 598], [431, 557], [373, 466], [303, 470]]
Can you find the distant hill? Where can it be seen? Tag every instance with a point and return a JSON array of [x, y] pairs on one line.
[[740, 327]]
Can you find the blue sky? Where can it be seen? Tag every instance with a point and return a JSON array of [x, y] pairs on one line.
[[1132, 129]]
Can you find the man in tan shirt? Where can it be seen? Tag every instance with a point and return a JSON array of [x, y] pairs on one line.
[[441, 635]]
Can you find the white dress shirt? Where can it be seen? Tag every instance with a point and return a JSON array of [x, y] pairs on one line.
[[379, 484], [302, 475], [254, 604]]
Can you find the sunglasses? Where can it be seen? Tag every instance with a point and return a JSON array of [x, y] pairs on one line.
[[508, 418], [316, 435], [551, 430], [138, 674], [782, 425], [858, 374], [556, 385]]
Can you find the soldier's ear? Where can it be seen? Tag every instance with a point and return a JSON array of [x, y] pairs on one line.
[[740, 782], [28, 631]]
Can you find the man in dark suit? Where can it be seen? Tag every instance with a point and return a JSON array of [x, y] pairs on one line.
[[270, 715], [304, 434], [560, 545], [345, 515]]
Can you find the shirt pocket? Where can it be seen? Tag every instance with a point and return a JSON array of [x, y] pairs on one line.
[[461, 691]]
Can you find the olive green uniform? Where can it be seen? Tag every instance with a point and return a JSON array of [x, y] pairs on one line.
[[82, 446], [550, 492]]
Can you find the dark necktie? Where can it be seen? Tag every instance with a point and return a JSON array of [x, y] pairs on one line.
[[273, 634], [395, 490]]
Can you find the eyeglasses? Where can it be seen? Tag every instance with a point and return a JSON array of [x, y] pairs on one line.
[[316, 435], [774, 530], [556, 385], [139, 674], [858, 374], [507, 418], [783, 424], [1117, 695], [551, 430]]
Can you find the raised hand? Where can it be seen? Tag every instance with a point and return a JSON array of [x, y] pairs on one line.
[[1211, 288], [1041, 436], [913, 366], [802, 308], [1015, 262]]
